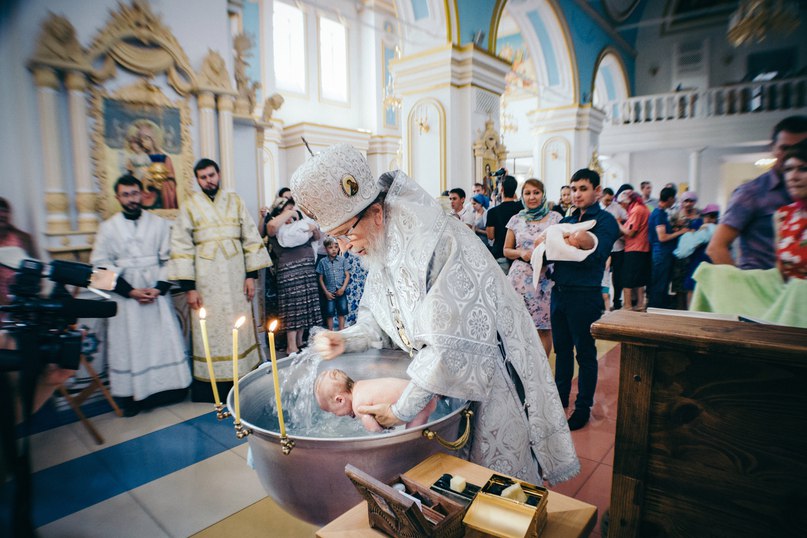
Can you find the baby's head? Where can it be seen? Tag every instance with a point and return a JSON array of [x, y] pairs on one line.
[[580, 239], [333, 389]]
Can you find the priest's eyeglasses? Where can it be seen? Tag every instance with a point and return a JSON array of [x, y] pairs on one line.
[[346, 238]]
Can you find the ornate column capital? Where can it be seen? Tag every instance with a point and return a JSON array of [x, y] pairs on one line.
[[225, 103], [206, 99], [45, 77], [75, 81]]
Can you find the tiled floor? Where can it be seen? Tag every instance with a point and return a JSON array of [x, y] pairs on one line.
[[177, 471]]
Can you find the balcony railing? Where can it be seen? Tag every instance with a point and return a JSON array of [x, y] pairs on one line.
[[728, 100]]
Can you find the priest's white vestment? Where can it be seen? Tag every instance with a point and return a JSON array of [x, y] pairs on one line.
[[216, 243], [145, 348], [470, 333]]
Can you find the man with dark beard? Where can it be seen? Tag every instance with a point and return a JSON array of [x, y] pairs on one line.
[[216, 253], [434, 290], [147, 364]]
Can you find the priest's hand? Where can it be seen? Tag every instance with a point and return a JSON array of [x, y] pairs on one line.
[[329, 344], [194, 299], [141, 295], [249, 288], [382, 413]]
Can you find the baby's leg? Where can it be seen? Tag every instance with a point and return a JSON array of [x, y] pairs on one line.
[[423, 417]]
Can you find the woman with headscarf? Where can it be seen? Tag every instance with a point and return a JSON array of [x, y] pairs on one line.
[[522, 231], [480, 204]]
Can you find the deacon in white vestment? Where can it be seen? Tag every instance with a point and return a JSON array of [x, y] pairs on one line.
[[434, 290], [147, 357], [216, 253]]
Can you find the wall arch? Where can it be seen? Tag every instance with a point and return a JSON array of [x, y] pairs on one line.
[[426, 150], [610, 79]]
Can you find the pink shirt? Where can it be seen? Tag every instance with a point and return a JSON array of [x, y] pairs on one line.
[[637, 220]]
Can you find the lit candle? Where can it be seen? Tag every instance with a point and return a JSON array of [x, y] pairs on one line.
[[235, 368], [203, 324], [271, 328]]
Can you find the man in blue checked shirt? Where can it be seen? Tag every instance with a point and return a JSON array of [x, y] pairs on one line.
[[333, 280]]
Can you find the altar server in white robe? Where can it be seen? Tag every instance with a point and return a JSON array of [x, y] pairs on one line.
[[216, 253], [434, 290], [147, 358]]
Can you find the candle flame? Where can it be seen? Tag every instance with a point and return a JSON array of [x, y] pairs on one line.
[[202, 313], [273, 326], [239, 322]]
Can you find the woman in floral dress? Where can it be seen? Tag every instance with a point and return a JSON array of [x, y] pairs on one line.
[[522, 230]]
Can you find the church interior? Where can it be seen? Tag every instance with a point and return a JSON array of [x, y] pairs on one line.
[[664, 91]]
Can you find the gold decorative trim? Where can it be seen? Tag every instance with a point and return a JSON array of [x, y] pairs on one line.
[[75, 81], [214, 75], [56, 202], [225, 103], [86, 202], [138, 40], [45, 77], [270, 105], [247, 89], [206, 99], [139, 93], [498, 10], [58, 46]]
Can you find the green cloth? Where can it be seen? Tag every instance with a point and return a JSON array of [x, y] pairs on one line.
[[754, 293]]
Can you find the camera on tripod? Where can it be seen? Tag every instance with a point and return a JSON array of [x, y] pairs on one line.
[[41, 325]]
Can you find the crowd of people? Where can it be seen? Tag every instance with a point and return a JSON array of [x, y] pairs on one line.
[[496, 284]]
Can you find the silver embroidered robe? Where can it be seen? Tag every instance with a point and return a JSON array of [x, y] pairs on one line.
[[455, 304], [216, 243], [145, 348]]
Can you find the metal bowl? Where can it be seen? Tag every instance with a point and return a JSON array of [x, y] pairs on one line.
[[310, 481]]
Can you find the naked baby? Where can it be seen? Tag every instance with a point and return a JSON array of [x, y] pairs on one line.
[[337, 393]]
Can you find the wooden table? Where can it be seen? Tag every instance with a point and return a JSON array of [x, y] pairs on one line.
[[566, 517]]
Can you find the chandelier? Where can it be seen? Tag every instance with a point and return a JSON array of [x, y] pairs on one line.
[[390, 99], [755, 19]]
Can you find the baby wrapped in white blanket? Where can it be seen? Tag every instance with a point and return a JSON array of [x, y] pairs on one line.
[[563, 242]]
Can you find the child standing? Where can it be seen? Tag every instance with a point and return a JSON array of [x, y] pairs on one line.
[[333, 280]]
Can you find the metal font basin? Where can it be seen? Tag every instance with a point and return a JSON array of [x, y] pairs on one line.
[[310, 482]]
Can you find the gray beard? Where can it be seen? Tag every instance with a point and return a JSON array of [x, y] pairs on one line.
[[375, 255]]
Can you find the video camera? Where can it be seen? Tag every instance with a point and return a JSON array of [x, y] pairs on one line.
[[500, 172], [41, 325]]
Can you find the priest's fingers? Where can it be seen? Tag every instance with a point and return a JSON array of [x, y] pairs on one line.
[[329, 344], [382, 413]]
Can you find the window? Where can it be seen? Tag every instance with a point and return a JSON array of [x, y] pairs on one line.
[[288, 25], [332, 60]]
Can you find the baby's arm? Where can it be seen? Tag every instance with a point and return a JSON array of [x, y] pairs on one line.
[[369, 423]]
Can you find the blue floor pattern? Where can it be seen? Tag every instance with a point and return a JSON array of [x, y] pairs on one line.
[[77, 484]]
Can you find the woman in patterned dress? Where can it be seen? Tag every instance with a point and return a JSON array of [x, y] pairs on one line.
[[297, 287], [522, 230]]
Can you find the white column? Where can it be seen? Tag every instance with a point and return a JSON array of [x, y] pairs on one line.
[[225, 106], [76, 83], [206, 102], [694, 168], [56, 203]]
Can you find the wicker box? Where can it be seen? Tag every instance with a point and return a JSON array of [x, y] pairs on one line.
[[399, 515], [494, 515]]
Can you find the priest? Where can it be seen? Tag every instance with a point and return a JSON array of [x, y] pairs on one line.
[[146, 351], [216, 253], [434, 290]]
